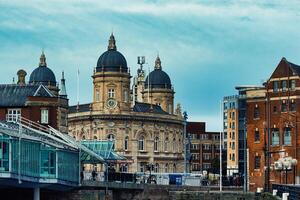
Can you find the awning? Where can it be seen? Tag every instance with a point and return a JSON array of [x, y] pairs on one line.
[[102, 148]]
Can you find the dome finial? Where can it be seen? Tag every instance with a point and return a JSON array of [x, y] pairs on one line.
[[157, 63], [43, 60], [112, 43]]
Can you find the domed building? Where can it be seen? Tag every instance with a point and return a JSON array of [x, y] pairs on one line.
[[140, 121]]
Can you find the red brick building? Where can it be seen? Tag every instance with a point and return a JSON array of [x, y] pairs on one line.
[[204, 147], [273, 126], [40, 100]]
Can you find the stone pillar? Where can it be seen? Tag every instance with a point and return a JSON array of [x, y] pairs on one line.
[[36, 195]]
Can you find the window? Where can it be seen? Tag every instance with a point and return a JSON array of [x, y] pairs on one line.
[[283, 106], [275, 86], [44, 116], [156, 168], [111, 93], [141, 143], [156, 142], [166, 168], [293, 84], [4, 154], [293, 106], [274, 109], [206, 166], [233, 157], [256, 136], [233, 135], [126, 143], [111, 137], [170, 109], [166, 145], [284, 86], [275, 137], [48, 160], [97, 95], [206, 146], [142, 167], [256, 112], [13, 115], [124, 168], [287, 136], [233, 145], [174, 168], [174, 145], [257, 162], [233, 125], [206, 156], [125, 96]]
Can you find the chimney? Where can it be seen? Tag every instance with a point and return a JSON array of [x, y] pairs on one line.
[[21, 77]]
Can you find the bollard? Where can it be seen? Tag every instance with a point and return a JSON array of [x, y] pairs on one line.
[[275, 192], [285, 196]]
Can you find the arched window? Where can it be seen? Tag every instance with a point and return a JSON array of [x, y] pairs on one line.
[[156, 168], [156, 142], [95, 138], [166, 144], [125, 96], [174, 144], [126, 143], [166, 168], [83, 137], [174, 168], [111, 137], [141, 143]]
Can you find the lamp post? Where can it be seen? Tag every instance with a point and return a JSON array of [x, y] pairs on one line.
[[286, 164]]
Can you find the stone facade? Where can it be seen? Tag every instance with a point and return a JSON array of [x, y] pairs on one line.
[[143, 132]]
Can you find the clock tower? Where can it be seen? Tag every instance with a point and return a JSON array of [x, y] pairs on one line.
[[111, 81]]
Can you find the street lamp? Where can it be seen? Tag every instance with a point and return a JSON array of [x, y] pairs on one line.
[[285, 164]]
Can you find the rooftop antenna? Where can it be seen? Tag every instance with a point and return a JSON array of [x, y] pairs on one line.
[[77, 86]]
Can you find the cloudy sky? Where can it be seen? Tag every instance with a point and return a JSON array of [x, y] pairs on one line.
[[207, 47]]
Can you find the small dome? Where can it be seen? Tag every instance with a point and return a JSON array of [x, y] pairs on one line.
[[42, 74], [112, 60], [158, 78]]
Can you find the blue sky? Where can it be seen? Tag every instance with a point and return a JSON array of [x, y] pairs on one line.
[[207, 47]]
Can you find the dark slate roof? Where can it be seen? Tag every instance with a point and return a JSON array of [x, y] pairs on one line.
[[145, 107], [295, 68], [82, 108], [16, 95], [111, 61], [158, 79], [42, 75]]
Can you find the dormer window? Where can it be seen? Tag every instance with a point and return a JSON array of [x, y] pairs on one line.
[[13, 115]]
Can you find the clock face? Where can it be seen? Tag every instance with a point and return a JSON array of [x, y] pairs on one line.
[[111, 103]]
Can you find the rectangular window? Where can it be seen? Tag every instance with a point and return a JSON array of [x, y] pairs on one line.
[[275, 86], [256, 136], [275, 137], [233, 146], [97, 95], [206, 146], [125, 96], [44, 116], [256, 112], [287, 136], [293, 106], [233, 157], [283, 106], [293, 84], [48, 160], [13, 115], [257, 162], [111, 93], [284, 86]]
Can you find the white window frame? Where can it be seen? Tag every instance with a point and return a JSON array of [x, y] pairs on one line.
[[44, 116], [111, 93], [13, 115], [141, 143]]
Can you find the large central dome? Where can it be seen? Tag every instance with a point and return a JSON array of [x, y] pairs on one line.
[[112, 60]]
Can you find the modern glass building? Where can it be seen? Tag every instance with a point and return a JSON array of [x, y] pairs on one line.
[[34, 156]]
